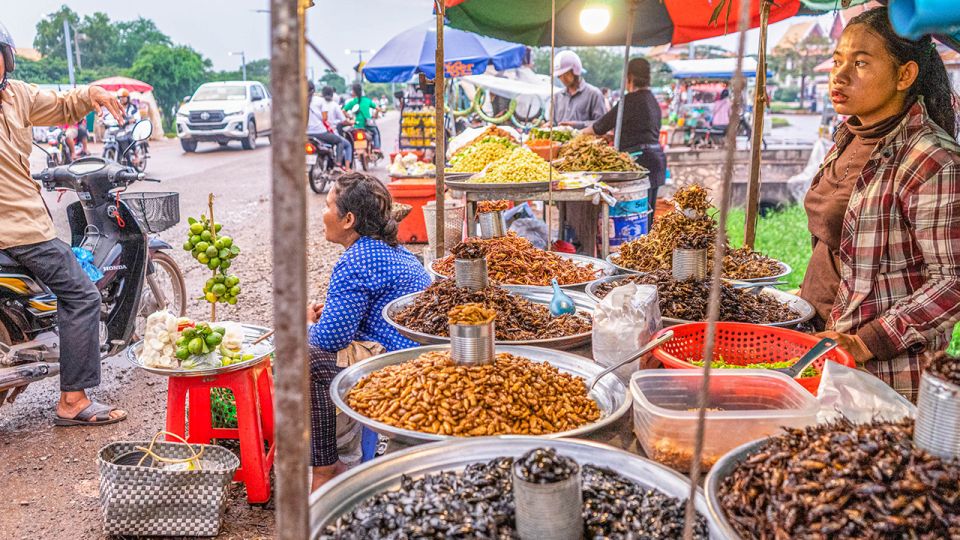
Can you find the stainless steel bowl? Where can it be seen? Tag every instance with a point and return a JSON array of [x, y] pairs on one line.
[[785, 270], [801, 306], [720, 527], [609, 393], [250, 334], [346, 491], [537, 295], [605, 268]]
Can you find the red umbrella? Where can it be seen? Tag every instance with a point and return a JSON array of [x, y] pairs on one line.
[[116, 83]]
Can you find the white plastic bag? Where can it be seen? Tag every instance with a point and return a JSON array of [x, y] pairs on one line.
[[622, 324], [858, 396]]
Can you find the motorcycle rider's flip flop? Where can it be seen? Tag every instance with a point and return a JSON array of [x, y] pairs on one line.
[[90, 416]]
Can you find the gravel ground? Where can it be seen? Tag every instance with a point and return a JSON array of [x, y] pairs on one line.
[[49, 475]]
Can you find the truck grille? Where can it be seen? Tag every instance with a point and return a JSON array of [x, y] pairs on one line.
[[206, 127], [206, 116]]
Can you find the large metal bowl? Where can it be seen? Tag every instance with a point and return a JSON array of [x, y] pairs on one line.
[[609, 393], [251, 333], [785, 270], [720, 527], [801, 306], [346, 491], [605, 268], [537, 295]]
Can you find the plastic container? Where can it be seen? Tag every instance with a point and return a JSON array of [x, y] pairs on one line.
[[752, 404], [453, 217], [628, 227], [416, 192], [743, 343], [547, 150]]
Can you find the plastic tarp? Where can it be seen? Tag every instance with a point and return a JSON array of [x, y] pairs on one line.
[[711, 68], [465, 53]]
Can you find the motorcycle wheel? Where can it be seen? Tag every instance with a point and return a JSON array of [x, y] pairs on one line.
[[169, 279], [317, 179], [140, 152], [365, 162]]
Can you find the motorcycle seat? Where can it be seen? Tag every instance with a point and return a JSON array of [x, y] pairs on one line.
[[6, 261]]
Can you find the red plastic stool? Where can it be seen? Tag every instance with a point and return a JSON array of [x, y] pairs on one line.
[[253, 389]]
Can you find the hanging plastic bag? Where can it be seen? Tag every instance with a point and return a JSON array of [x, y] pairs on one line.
[[622, 324], [85, 258], [532, 229], [859, 397]]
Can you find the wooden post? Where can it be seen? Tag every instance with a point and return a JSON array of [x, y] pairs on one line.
[[756, 142], [440, 153], [291, 377]]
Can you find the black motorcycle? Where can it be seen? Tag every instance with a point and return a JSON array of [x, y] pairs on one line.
[[138, 277], [324, 170], [120, 145]]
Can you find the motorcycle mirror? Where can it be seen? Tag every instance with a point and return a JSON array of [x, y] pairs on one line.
[[45, 151], [142, 130]]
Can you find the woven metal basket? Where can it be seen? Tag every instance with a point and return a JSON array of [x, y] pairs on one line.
[[141, 500]]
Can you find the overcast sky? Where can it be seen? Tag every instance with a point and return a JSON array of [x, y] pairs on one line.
[[216, 27]]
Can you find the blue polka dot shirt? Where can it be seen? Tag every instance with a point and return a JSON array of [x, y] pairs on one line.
[[367, 277]]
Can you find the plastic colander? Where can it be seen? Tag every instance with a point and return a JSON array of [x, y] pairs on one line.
[[741, 344]]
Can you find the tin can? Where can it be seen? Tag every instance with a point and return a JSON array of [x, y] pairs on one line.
[[472, 344], [471, 273], [937, 429], [689, 263], [492, 224], [553, 511]]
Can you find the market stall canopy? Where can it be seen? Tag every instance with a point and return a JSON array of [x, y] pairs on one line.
[[465, 53], [656, 22], [711, 68], [115, 83]]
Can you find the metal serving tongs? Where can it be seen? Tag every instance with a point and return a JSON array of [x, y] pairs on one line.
[[822, 347], [666, 336]]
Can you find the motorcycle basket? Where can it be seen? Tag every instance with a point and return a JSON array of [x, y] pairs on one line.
[[155, 211]]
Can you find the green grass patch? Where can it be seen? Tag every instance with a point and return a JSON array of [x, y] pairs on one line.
[[782, 235], [780, 122]]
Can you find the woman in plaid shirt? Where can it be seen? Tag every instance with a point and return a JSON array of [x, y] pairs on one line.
[[884, 209]]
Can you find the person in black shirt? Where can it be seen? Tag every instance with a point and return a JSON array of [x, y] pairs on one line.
[[641, 126]]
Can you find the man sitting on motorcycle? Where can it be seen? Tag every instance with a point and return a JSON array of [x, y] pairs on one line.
[[324, 116], [28, 236], [364, 111]]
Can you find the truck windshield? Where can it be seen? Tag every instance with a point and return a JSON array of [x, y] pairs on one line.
[[220, 93]]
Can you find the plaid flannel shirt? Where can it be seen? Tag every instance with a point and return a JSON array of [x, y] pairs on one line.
[[900, 249]]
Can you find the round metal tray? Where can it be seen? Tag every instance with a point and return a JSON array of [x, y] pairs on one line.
[[605, 268], [609, 393], [346, 491], [465, 185], [537, 295], [720, 527], [251, 332], [784, 271], [801, 306]]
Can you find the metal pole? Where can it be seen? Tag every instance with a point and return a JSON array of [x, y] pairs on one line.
[[243, 64], [69, 44], [631, 16], [76, 49], [756, 142], [440, 135], [292, 390]]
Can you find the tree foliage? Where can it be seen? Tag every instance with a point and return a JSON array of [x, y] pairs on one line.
[[799, 59], [333, 79], [174, 72], [603, 66]]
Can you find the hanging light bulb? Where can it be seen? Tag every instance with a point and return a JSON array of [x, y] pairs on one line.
[[595, 17]]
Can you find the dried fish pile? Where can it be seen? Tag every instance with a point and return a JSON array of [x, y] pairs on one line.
[[518, 319], [688, 300], [477, 503], [513, 260], [844, 481], [674, 230], [590, 153], [513, 395]]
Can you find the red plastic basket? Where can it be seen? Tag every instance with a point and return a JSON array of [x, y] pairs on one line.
[[742, 343]]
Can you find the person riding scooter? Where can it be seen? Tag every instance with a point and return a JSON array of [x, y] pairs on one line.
[[27, 234], [364, 111], [323, 117]]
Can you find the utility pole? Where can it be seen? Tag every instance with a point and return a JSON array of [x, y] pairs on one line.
[[243, 62], [69, 44], [359, 53], [76, 48]]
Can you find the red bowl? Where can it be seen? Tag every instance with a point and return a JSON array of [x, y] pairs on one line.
[[741, 344]]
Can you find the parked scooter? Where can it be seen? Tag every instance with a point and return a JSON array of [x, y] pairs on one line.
[[59, 153], [135, 276], [119, 145], [324, 170]]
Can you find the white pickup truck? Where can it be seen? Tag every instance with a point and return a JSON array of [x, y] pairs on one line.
[[222, 112]]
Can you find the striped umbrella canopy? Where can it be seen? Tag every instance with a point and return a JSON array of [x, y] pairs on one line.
[[656, 21]]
